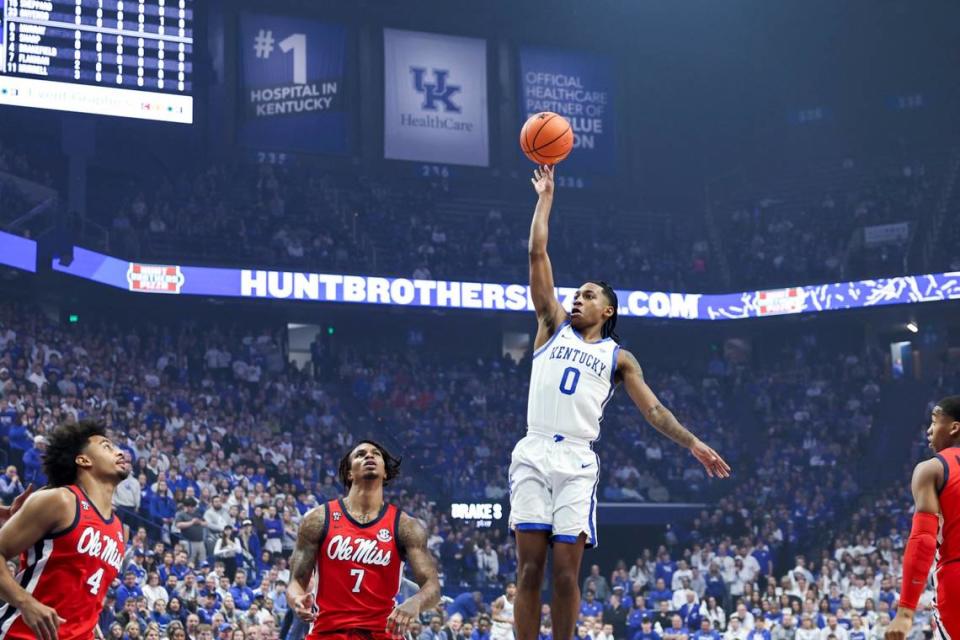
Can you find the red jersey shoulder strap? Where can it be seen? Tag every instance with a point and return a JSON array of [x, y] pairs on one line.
[[325, 530], [87, 504], [950, 459], [395, 521], [77, 497]]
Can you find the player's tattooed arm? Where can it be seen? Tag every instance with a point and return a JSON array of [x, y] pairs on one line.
[[412, 537], [303, 562], [662, 419]]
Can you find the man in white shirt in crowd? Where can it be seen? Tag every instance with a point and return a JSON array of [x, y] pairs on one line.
[[682, 573], [683, 595], [216, 517], [735, 630], [487, 562], [859, 594], [833, 628]]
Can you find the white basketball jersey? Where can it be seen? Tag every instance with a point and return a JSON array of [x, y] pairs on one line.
[[570, 384], [503, 630]]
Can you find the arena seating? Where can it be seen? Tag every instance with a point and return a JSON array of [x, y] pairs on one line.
[[215, 413]]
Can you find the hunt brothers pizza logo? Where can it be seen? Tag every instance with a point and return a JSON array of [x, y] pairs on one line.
[[154, 278]]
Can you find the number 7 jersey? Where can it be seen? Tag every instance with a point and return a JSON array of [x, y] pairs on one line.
[[571, 383], [359, 567], [70, 571]]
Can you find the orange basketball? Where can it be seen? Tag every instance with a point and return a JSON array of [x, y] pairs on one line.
[[546, 138]]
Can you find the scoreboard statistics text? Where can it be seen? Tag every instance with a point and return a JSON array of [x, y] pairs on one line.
[[128, 58]]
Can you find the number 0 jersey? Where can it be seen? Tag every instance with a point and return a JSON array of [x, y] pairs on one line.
[[70, 571], [359, 567], [570, 384]]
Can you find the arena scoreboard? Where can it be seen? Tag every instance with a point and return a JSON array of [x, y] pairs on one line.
[[127, 58]]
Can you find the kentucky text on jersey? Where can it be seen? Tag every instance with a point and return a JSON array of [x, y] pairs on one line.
[[571, 381], [582, 357]]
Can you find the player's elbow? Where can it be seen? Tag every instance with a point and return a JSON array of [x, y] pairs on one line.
[[536, 252]]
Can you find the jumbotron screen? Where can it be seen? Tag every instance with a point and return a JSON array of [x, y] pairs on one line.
[[127, 58]]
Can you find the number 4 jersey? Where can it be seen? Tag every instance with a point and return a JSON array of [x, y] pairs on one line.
[[359, 567], [570, 384], [70, 571]]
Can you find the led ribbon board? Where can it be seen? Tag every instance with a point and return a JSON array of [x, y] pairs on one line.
[[325, 287], [18, 252]]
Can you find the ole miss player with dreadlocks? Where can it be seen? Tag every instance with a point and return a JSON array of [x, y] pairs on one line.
[[577, 363], [358, 546]]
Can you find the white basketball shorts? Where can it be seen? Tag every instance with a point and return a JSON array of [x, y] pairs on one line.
[[553, 487]]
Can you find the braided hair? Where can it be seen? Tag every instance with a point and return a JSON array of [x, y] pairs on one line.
[[390, 463], [609, 326]]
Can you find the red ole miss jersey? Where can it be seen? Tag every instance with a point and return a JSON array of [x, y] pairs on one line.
[[70, 570], [359, 567], [946, 619], [948, 549]]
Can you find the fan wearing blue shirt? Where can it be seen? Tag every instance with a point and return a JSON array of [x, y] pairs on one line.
[[761, 552], [715, 586], [646, 631], [274, 527], [676, 630], [467, 604], [209, 608], [760, 631], [887, 593], [129, 589], [690, 612], [665, 568], [242, 594], [658, 593], [636, 615], [482, 632], [590, 606], [857, 630], [706, 631], [32, 456]]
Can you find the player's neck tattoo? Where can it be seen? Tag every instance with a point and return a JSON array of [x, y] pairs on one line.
[[362, 517]]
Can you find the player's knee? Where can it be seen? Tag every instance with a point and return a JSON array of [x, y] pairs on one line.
[[529, 576], [565, 582]]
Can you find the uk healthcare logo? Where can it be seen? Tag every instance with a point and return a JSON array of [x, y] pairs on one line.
[[436, 91]]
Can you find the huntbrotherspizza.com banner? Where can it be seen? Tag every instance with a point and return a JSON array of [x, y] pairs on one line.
[[490, 296]]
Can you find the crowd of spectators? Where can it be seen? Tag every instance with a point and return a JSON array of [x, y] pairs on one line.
[[302, 217], [805, 225], [231, 445], [810, 227]]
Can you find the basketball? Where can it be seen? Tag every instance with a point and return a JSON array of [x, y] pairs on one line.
[[546, 138]]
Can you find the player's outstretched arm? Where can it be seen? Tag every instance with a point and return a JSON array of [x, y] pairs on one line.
[[921, 546], [662, 419], [549, 312], [303, 562], [412, 536], [40, 514]]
